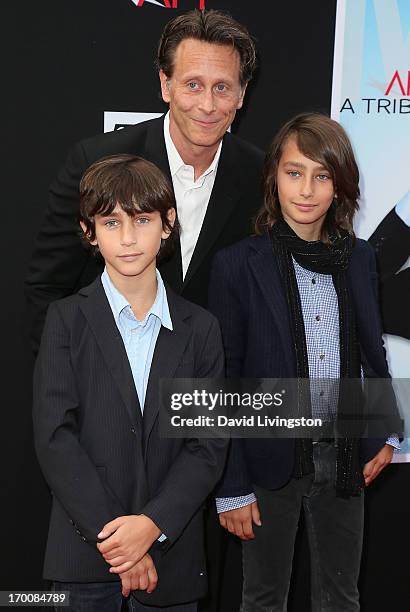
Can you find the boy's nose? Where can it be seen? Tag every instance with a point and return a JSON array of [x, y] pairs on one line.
[[306, 189], [128, 237]]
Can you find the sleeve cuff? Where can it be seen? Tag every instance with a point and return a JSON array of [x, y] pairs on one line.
[[393, 440], [223, 504]]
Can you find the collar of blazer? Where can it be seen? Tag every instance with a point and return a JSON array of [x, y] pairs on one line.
[[168, 352], [224, 196], [266, 273]]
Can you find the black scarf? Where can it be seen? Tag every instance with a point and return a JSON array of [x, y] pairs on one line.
[[332, 258]]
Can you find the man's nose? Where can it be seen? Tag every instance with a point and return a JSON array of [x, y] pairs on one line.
[[207, 101]]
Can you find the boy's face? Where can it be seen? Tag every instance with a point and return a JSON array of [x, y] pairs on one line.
[[305, 190], [203, 93], [129, 245]]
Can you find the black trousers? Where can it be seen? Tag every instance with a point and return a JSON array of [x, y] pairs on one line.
[[335, 533]]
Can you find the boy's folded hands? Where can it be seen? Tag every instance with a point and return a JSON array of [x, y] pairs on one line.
[[142, 576], [126, 541]]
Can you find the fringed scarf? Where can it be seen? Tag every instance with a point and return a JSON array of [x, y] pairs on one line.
[[332, 258]]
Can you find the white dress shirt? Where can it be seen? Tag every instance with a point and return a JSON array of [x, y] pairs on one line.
[[192, 196]]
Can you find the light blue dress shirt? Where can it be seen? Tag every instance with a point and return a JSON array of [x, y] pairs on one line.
[[139, 337], [320, 312]]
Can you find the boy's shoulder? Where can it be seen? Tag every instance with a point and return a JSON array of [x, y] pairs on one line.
[[184, 309], [363, 248], [240, 251], [68, 310]]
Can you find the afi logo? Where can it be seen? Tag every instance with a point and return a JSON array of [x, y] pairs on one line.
[[167, 3], [397, 79]]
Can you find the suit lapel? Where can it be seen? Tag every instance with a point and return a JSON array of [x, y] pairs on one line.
[[223, 198], [168, 352], [101, 321], [155, 151], [267, 276]]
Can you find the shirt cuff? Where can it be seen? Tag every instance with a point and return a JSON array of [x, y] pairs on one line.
[[393, 440], [223, 504], [403, 209], [162, 537]]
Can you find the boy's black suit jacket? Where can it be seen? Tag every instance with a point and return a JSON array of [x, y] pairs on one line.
[[247, 296], [103, 459], [61, 265]]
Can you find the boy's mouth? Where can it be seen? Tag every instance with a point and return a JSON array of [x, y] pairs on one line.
[[129, 256], [305, 206]]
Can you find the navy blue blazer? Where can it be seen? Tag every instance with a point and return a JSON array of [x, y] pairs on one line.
[[102, 458], [247, 296]]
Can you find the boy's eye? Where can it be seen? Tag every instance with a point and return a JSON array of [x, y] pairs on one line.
[[142, 220], [111, 223], [294, 173], [323, 177]]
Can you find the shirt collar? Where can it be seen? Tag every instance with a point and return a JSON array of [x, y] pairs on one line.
[[175, 160], [118, 303]]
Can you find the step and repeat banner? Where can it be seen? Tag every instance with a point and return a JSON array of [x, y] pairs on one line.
[[371, 99]]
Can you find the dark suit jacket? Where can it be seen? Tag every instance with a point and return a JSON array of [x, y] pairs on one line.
[[61, 264], [246, 295], [103, 459], [391, 242]]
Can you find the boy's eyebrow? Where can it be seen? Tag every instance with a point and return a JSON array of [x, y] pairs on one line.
[[117, 214], [111, 214], [300, 165]]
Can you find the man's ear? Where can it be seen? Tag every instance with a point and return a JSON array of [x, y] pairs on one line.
[[171, 216], [86, 234], [241, 97], [164, 86]]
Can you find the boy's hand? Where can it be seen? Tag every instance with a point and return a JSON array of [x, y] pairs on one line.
[[127, 540], [373, 468], [142, 576], [239, 521]]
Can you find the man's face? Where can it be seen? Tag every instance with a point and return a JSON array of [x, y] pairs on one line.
[[203, 93]]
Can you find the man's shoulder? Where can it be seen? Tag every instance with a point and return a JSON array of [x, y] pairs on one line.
[[245, 149], [130, 139]]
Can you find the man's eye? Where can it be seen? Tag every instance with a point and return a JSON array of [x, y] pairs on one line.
[[193, 85], [221, 87]]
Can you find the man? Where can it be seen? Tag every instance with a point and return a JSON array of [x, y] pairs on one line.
[[205, 61]]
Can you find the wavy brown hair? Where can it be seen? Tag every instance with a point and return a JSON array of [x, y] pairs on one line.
[[324, 141], [215, 27], [136, 185]]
